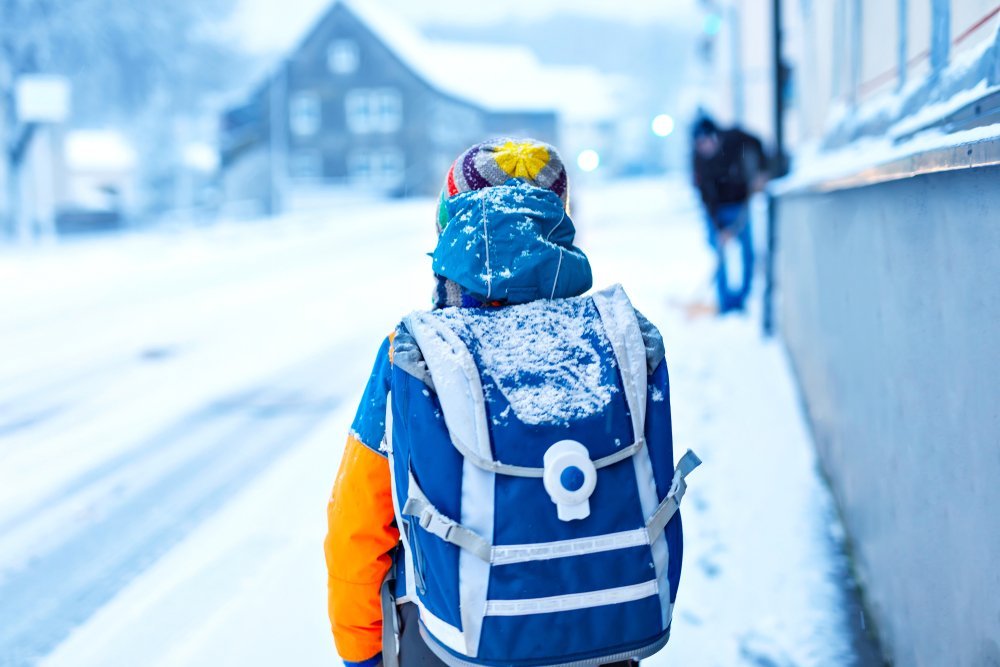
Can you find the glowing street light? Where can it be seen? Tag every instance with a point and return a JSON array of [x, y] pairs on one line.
[[712, 24], [663, 125], [588, 160]]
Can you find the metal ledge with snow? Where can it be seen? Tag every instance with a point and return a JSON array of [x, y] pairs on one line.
[[505, 421]]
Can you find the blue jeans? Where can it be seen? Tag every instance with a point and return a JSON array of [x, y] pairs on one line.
[[734, 218]]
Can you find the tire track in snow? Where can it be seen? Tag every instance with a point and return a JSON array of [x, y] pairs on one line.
[[208, 456], [26, 401]]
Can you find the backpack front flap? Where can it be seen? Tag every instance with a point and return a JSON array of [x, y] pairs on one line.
[[531, 506]]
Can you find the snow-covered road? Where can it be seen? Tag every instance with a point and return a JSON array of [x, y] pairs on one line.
[[146, 379], [173, 406]]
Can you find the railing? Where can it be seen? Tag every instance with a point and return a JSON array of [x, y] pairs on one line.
[[888, 75]]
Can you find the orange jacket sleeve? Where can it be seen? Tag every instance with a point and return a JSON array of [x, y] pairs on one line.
[[361, 528], [361, 534]]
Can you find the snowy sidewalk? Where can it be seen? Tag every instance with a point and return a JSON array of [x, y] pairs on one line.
[[762, 582]]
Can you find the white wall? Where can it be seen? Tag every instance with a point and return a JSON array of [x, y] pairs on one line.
[[739, 83], [965, 15], [879, 47], [843, 53], [890, 323], [918, 38], [890, 326]]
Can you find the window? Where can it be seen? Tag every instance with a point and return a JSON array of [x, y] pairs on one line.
[[305, 114], [453, 124], [372, 110], [381, 168], [343, 56], [305, 165]]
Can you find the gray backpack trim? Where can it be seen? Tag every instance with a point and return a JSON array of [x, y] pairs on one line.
[[653, 340]]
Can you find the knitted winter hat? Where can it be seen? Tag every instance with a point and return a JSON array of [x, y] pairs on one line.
[[490, 164], [497, 161]]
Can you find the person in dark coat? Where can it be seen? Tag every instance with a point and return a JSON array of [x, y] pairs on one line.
[[729, 165]]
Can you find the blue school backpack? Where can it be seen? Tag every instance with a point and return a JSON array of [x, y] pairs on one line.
[[533, 482]]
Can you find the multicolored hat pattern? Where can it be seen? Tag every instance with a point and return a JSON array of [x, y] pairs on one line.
[[495, 162]]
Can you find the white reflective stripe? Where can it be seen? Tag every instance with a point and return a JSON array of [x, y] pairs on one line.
[[661, 553], [572, 601], [625, 335], [649, 501], [523, 553], [473, 571], [387, 431], [444, 632]]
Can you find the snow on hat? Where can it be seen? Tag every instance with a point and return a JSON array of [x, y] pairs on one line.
[[497, 161]]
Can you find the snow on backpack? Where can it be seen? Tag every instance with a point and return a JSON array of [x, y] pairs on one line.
[[533, 482]]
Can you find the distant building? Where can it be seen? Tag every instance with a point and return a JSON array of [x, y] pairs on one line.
[[365, 104]]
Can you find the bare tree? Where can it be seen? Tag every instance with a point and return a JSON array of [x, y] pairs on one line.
[[124, 57]]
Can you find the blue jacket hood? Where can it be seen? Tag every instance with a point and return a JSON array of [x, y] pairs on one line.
[[511, 243]]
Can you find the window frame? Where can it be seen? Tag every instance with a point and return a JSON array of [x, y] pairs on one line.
[[380, 168], [343, 56], [373, 110], [305, 113], [298, 158]]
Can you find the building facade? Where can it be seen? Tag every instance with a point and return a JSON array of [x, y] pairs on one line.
[[886, 244], [847, 58], [360, 106]]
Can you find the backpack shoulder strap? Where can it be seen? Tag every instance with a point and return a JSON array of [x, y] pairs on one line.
[[625, 335], [458, 385]]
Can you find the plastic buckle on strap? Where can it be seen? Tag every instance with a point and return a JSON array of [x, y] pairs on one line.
[[435, 524], [677, 488], [671, 503]]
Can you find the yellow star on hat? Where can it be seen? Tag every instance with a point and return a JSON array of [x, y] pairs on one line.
[[524, 159]]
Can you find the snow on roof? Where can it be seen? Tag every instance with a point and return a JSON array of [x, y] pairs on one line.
[[498, 78], [583, 93], [510, 78], [101, 150]]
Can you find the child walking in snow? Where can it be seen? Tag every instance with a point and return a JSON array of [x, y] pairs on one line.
[[508, 493]]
